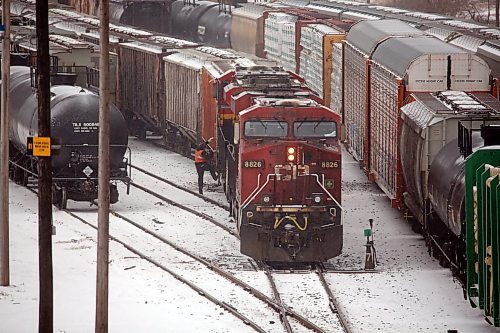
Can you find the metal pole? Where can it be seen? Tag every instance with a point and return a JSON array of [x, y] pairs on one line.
[[497, 7], [102, 290], [4, 149], [45, 323]]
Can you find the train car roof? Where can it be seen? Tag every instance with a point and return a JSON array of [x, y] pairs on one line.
[[490, 49], [430, 108], [250, 10], [366, 35], [389, 55], [199, 57]]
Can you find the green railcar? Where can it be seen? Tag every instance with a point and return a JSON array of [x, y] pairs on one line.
[[482, 200]]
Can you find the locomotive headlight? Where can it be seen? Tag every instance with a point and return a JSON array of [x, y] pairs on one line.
[[290, 157]]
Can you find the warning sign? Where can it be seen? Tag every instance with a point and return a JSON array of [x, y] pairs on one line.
[[38, 146]]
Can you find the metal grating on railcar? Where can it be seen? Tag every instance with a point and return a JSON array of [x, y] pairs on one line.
[[389, 9], [443, 34], [459, 103], [358, 16], [426, 16], [223, 54], [69, 42], [464, 25], [171, 42], [467, 42], [490, 32]]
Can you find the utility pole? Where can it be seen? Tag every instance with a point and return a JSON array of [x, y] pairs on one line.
[[4, 149], [102, 289], [45, 323]]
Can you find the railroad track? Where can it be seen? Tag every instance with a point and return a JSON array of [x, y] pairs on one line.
[[277, 304], [284, 312], [171, 183], [272, 304]]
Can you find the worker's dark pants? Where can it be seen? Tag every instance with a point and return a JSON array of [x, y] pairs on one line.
[[200, 169]]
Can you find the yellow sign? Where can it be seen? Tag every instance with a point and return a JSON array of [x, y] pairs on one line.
[[41, 146]]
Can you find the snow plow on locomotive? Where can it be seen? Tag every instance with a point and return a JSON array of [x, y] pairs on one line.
[[74, 131], [281, 153]]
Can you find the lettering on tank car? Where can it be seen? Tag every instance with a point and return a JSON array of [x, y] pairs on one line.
[[330, 164], [85, 127], [87, 158], [253, 164]]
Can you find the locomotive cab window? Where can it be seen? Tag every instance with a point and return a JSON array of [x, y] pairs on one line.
[[315, 129], [266, 128]]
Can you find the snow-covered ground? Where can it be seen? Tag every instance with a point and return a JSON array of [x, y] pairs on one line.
[[409, 293]]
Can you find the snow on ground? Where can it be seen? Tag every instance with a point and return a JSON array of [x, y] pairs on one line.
[[409, 293]]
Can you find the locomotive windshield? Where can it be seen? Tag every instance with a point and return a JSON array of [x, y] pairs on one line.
[[315, 129], [266, 128]]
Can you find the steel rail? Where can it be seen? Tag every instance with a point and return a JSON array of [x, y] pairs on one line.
[[188, 209], [332, 301], [212, 201], [259, 295], [277, 297], [199, 290]]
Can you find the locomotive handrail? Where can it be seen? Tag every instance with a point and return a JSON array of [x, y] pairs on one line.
[[329, 194], [252, 196], [257, 190]]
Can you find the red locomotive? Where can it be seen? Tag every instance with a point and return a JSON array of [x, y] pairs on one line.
[[280, 152]]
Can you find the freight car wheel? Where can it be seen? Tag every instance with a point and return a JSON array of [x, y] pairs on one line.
[[18, 175], [25, 178], [56, 196], [64, 198]]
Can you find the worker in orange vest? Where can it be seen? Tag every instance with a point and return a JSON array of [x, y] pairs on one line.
[[203, 162]]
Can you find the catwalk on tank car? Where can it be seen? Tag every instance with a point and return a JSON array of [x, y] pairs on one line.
[[282, 160], [75, 135]]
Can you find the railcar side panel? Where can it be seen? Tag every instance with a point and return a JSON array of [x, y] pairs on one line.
[[336, 81], [183, 105], [142, 85], [482, 170], [208, 107], [355, 99], [247, 29], [385, 101]]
